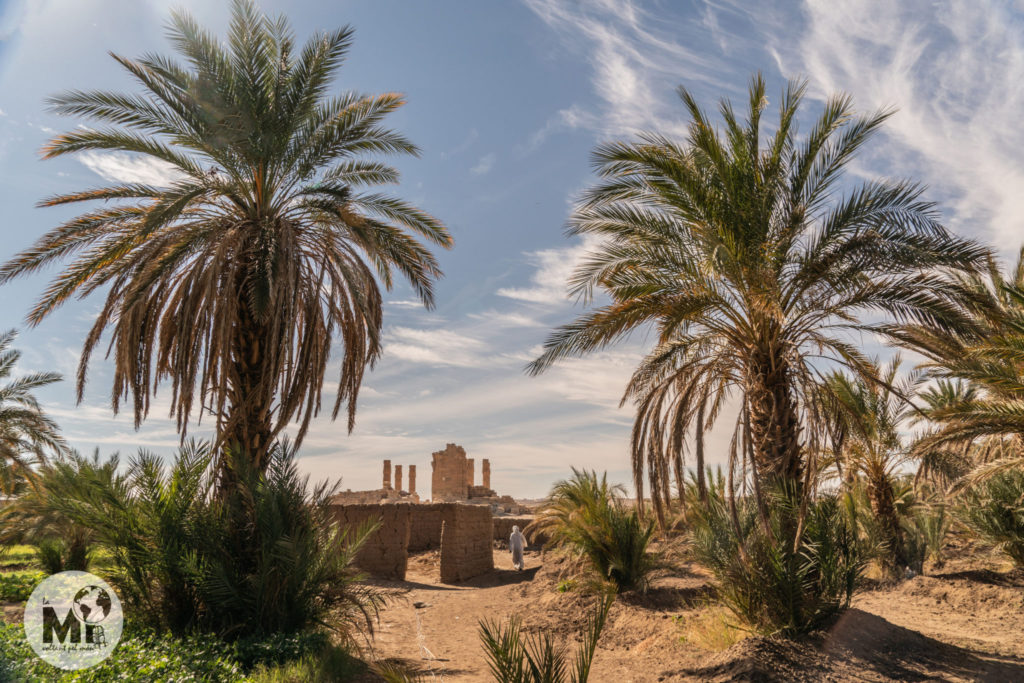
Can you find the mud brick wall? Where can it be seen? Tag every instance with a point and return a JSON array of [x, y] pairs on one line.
[[467, 543], [425, 525], [386, 552]]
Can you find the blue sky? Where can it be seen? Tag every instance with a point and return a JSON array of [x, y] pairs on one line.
[[506, 99]]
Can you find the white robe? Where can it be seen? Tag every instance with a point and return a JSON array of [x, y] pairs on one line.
[[516, 543]]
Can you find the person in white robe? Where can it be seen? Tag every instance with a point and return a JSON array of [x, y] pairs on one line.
[[517, 543]]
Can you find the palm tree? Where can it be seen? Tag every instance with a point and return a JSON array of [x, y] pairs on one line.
[[867, 417], [746, 257], [232, 280], [978, 402], [27, 434]]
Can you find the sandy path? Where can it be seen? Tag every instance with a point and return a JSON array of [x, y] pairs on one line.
[[958, 626]]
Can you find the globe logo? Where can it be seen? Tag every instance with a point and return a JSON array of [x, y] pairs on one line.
[[91, 604], [73, 620]]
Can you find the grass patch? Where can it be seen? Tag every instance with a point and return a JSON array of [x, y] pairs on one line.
[[149, 656], [709, 629], [17, 586], [17, 556]]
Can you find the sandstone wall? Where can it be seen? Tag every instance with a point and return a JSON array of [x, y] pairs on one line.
[[448, 474], [385, 554], [467, 543]]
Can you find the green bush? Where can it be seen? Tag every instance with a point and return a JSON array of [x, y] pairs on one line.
[[994, 509], [782, 576], [18, 586], [515, 659], [587, 516], [268, 559], [143, 656], [57, 555]]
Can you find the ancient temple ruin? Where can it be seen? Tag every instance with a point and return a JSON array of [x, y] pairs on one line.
[[391, 491], [452, 480], [453, 476]]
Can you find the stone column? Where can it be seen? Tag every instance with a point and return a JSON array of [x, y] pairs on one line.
[[412, 479], [469, 471], [485, 472], [398, 478], [387, 474]]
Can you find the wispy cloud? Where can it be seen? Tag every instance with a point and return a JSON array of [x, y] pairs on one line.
[[471, 137], [636, 60], [485, 164], [953, 71], [434, 347], [122, 167], [549, 282]]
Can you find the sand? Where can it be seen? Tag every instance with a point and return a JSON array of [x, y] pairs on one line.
[[964, 622]]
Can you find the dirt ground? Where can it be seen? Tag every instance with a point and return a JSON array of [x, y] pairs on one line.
[[963, 622]]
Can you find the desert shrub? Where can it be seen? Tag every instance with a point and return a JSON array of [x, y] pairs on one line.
[[587, 517], [993, 508], [268, 559], [779, 575], [18, 586], [513, 658], [926, 529]]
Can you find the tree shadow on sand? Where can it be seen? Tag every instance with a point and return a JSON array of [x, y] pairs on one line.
[[867, 640], [859, 646]]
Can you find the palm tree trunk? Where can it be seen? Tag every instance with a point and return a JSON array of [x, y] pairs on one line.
[[883, 505], [247, 430], [774, 423], [702, 486]]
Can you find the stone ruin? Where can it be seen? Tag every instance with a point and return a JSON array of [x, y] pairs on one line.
[[390, 492], [464, 534], [452, 479], [463, 519]]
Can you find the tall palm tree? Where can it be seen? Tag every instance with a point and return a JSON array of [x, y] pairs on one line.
[[233, 279], [978, 404], [27, 434], [742, 251], [868, 417]]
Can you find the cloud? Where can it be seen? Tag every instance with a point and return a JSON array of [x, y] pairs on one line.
[[485, 164], [434, 347], [953, 71], [636, 61], [121, 167], [550, 280], [467, 142], [565, 119]]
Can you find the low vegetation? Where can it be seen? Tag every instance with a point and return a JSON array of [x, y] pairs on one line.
[[515, 658], [994, 510], [272, 560], [785, 574], [588, 518]]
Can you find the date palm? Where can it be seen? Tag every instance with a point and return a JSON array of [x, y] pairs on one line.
[[27, 434], [232, 280], [867, 417], [978, 404], [743, 252]]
